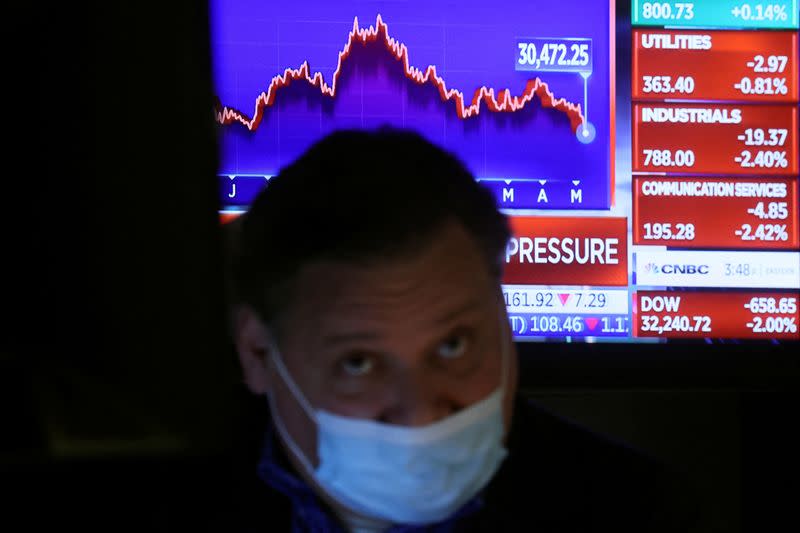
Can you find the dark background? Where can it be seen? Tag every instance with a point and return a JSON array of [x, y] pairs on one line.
[[118, 384]]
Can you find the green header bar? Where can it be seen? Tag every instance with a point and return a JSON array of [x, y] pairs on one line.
[[709, 14]]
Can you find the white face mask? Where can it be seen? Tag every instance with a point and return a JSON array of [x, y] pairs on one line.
[[406, 475]]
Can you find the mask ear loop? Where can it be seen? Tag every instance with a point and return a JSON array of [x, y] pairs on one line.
[[301, 399], [287, 379]]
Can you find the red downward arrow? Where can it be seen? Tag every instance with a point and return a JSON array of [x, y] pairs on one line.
[[592, 323], [563, 298]]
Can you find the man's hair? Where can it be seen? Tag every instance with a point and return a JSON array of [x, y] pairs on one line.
[[360, 197]]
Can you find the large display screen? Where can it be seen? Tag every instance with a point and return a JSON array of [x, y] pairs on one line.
[[647, 156]]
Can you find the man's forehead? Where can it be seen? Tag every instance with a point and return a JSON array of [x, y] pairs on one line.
[[447, 276]]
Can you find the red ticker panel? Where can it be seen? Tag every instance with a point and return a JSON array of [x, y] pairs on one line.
[[742, 315], [753, 66], [745, 213], [716, 139], [567, 251]]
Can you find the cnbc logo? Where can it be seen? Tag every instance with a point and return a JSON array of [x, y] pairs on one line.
[[653, 268]]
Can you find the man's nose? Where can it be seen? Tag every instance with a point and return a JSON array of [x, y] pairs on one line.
[[417, 401]]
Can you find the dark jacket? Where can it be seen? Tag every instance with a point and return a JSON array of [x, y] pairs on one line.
[[558, 477]]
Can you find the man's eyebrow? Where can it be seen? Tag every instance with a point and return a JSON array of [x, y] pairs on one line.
[[460, 310], [332, 339]]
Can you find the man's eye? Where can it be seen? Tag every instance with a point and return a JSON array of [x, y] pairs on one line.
[[453, 347], [357, 365]]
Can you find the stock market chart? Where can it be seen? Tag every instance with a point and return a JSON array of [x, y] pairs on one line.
[[520, 91], [647, 155], [715, 161]]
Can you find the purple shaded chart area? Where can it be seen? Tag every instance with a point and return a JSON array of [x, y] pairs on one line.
[[542, 126]]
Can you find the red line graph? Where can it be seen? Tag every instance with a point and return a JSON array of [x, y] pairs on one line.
[[505, 102]]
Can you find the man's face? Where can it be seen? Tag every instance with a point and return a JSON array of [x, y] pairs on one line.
[[405, 342]]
